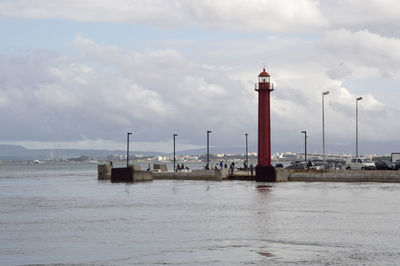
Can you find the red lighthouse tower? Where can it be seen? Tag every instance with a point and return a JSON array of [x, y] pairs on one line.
[[265, 172]]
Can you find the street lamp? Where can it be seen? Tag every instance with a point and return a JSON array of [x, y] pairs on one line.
[[208, 148], [127, 149], [247, 152], [305, 145], [357, 99], [174, 151], [323, 127]]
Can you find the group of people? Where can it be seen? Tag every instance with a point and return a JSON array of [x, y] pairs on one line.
[[223, 165], [215, 167], [246, 167], [181, 167], [220, 165]]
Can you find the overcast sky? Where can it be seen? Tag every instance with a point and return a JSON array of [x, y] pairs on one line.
[[81, 73]]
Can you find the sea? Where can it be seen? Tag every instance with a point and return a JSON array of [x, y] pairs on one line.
[[60, 214]]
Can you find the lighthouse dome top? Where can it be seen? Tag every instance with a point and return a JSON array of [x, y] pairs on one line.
[[264, 74]]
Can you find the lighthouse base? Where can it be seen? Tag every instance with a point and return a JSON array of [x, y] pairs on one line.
[[265, 173]]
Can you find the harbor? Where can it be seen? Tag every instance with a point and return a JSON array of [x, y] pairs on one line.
[[199, 132]]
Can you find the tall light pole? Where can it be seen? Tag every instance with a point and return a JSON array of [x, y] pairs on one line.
[[323, 127], [174, 151], [247, 152], [357, 99], [127, 149], [305, 145], [208, 148]]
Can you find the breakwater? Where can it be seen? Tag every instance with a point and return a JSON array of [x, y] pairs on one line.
[[219, 174], [281, 175]]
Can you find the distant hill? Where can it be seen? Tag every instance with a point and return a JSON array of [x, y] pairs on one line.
[[12, 152], [19, 153]]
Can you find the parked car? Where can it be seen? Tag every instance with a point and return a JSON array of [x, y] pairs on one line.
[[394, 166], [317, 166], [397, 165], [382, 165], [387, 165], [359, 164], [297, 166]]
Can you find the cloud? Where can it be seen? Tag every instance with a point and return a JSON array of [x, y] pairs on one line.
[[94, 94], [252, 15], [363, 49], [99, 92], [376, 15], [61, 98]]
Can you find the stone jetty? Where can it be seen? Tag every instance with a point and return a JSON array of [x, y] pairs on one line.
[[344, 176], [281, 175]]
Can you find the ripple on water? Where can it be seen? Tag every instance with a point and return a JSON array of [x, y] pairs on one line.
[[66, 216]]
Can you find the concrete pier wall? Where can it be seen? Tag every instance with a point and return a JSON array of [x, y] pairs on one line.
[[344, 176], [142, 176], [281, 175], [122, 175], [193, 175], [160, 167], [104, 172]]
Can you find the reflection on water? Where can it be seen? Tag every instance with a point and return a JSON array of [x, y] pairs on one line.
[[64, 215]]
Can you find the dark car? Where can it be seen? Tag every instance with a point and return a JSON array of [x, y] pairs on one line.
[[297, 166], [382, 165], [278, 165], [395, 165]]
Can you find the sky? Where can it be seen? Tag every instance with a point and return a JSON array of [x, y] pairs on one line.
[[81, 74]]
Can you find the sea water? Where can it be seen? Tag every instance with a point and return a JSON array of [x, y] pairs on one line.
[[61, 214]]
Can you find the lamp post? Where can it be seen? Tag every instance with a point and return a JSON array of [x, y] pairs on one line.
[[174, 151], [305, 145], [127, 150], [208, 148], [357, 100], [247, 152], [323, 126]]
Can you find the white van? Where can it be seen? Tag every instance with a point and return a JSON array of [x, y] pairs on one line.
[[359, 164]]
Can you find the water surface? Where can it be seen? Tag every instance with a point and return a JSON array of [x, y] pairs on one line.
[[62, 214]]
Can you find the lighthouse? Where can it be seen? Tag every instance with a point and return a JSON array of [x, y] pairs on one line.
[[265, 172]]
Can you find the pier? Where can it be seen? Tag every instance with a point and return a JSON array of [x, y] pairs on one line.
[[281, 175], [384, 176]]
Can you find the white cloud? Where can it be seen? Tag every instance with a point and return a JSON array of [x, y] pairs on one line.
[[364, 49], [99, 92], [379, 15], [69, 98], [253, 15]]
